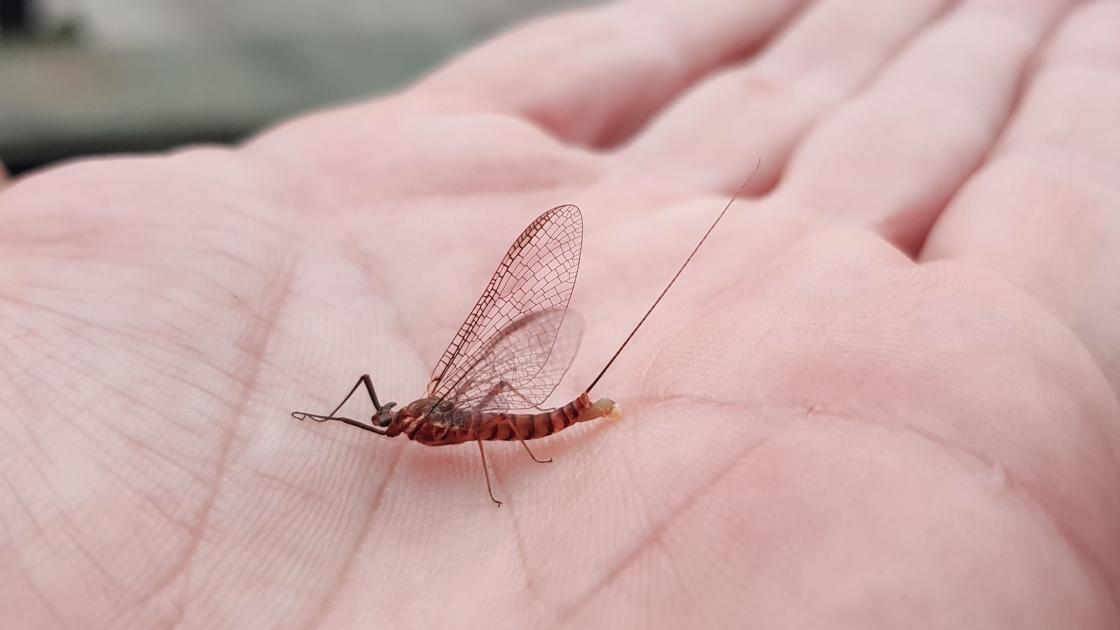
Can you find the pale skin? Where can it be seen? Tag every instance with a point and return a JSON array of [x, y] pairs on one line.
[[883, 395]]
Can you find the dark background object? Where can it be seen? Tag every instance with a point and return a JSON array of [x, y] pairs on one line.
[[104, 76], [14, 15]]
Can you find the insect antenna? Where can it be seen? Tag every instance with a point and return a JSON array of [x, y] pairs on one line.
[[674, 278]]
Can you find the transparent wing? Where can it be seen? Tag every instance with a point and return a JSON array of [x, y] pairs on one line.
[[522, 365], [506, 355]]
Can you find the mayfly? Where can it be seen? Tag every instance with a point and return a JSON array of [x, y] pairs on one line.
[[508, 357]]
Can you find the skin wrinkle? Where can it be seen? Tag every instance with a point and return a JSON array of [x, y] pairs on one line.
[[674, 572], [1023, 491], [1027, 492], [109, 583], [656, 532], [92, 449], [85, 436], [107, 466], [522, 556], [287, 486], [145, 619], [161, 490], [199, 359], [31, 585], [124, 393], [7, 355], [363, 259], [634, 483], [1024, 292], [39, 532], [30, 435], [657, 542], [58, 313], [327, 605], [65, 316], [35, 469], [1043, 502], [125, 348], [259, 338], [68, 532]]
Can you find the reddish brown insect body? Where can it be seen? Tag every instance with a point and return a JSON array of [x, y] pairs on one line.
[[421, 422], [509, 354]]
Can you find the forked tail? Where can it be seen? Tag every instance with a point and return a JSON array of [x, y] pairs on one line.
[[674, 279]]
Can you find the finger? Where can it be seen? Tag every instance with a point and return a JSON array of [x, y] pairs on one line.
[[579, 78], [892, 158], [592, 77], [715, 134], [1045, 212]]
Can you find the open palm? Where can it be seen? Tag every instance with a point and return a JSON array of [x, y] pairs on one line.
[[883, 394]]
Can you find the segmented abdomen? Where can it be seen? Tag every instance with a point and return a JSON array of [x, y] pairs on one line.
[[496, 426]]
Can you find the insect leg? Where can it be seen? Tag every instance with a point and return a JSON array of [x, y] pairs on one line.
[[486, 473], [363, 380], [513, 426]]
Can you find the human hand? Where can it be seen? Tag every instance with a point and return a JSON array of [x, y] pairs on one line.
[[883, 394]]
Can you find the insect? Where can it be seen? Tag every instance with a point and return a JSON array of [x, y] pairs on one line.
[[509, 356]]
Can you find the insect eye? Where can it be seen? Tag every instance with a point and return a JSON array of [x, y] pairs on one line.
[[384, 421]]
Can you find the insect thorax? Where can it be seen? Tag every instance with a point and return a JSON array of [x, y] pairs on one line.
[[432, 415]]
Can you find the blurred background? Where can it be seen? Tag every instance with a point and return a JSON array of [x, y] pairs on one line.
[[100, 76]]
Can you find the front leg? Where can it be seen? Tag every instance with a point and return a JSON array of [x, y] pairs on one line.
[[362, 380]]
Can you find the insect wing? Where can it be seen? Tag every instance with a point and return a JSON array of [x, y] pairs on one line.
[[523, 364], [502, 355]]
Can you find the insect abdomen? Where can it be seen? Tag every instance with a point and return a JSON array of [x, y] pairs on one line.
[[531, 426]]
